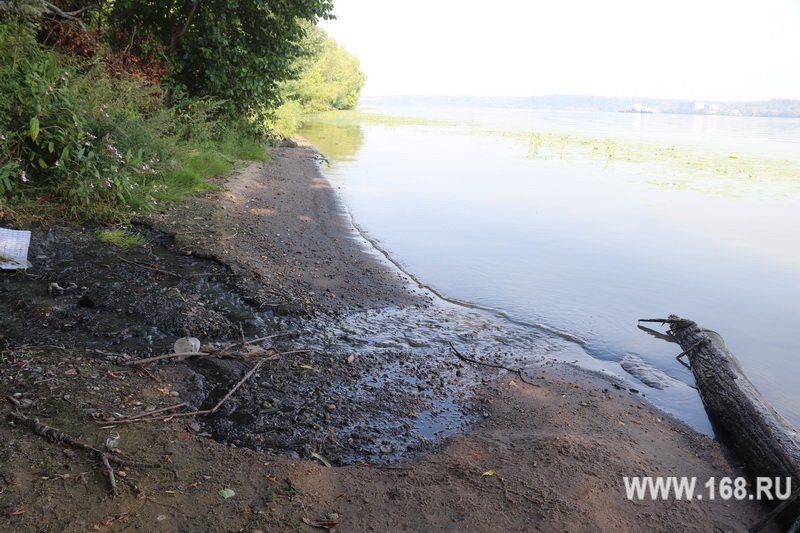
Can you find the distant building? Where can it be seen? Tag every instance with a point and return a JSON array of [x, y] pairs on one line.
[[639, 108], [713, 108], [699, 107]]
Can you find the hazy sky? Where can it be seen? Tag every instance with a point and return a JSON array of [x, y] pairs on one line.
[[696, 49]]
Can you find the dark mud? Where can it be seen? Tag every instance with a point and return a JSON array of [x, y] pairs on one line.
[[376, 386], [84, 293]]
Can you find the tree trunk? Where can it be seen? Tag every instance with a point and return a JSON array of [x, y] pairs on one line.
[[767, 444]]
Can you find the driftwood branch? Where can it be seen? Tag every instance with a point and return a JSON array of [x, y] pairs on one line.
[[759, 435], [184, 355], [761, 524], [516, 371], [57, 436], [112, 480]]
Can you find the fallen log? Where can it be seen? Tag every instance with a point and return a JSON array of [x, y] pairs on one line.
[[767, 444]]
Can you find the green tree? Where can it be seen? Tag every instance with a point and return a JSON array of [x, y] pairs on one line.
[[328, 78], [238, 51]]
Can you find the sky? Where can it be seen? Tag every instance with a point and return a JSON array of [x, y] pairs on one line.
[[689, 49]]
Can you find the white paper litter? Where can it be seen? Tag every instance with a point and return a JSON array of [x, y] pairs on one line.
[[14, 249]]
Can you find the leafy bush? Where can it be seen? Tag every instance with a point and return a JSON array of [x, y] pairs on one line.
[[46, 140], [102, 145]]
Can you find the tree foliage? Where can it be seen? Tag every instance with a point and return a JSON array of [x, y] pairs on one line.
[[329, 77], [238, 51]]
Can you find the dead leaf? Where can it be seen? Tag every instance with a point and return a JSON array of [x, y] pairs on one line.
[[322, 524], [488, 473]]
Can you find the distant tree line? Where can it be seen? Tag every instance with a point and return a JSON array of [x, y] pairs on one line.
[[767, 108]]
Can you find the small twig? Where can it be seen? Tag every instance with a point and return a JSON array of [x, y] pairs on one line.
[[162, 417], [181, 355], [147, 373], [110, 471], [151, 413], [154, 269], [262, 339], [689, 350], [516, 371], [241, 381], [202, 354], [292, 352]]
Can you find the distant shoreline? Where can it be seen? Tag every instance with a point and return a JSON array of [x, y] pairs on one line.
[[773, 108]]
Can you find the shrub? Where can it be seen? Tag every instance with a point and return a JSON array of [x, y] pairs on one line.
[[102, 145]]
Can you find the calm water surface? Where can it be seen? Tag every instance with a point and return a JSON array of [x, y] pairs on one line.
[[584, 246]]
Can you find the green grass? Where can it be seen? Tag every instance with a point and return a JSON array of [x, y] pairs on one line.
[[243, 148], [121, 238]]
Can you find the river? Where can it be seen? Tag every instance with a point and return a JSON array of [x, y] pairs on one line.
[[580, 223]]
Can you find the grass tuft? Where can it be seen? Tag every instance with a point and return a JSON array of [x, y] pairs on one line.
[[121, 238]]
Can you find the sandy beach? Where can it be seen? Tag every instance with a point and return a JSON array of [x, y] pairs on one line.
[[547, 453]]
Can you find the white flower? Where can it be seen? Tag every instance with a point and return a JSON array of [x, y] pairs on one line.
[[23, 177]]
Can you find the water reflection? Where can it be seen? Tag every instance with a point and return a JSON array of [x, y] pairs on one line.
[[337, 141]]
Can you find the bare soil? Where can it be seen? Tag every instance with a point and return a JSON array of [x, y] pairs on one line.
[[544, 457]]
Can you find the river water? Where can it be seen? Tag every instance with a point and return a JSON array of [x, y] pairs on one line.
[[580, 223]]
